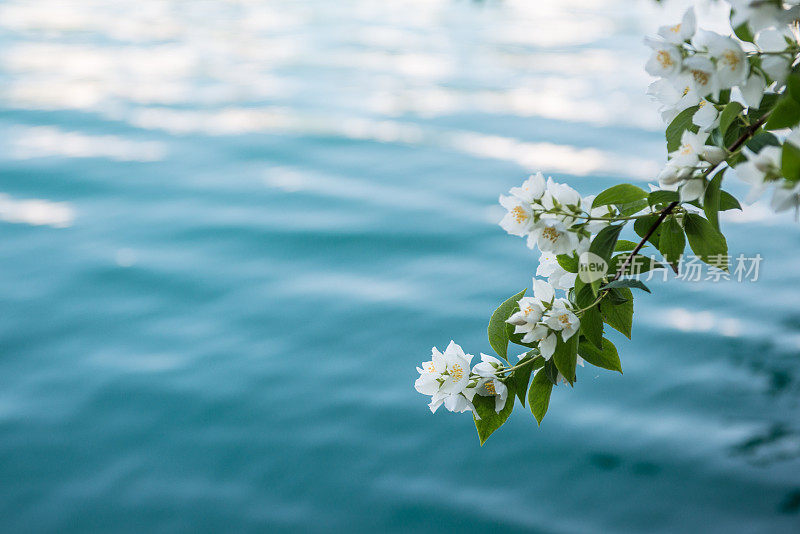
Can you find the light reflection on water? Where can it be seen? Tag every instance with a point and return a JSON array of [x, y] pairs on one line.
[[231, 229]]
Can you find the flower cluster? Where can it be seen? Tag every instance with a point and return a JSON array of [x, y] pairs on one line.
[[696, 67], [552, 216], [448, 380], [763, 169], [731, 103], [542, 317]]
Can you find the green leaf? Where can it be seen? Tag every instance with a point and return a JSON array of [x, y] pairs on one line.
[[639, 264], [759, 141], [626, 282], [711, 200], [785, 115], [604, 242], [733, 133], [605, 357], [551, 372], [619, 316], [623, 245], [539, 395], [522, 375], [680, 124], [706, 242], [729, 115], [768, 102], [632, 207], [498, 331], [584, 296], [565, 357], [619, 194], [490, 420], [568, 263], [592, 325], [659, 196], [615, 296], [642, 225], [742, 31], [790, 162], [793, 86], [728, 202], [672, 241]]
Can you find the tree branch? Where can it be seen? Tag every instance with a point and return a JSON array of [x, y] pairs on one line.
[[666, 211]]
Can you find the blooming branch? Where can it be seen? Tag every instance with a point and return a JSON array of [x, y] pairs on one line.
[[728, 101]]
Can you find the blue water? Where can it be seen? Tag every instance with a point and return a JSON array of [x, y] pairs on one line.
[[231, 230]]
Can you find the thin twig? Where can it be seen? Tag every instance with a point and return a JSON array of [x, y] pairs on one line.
[[666, 211]]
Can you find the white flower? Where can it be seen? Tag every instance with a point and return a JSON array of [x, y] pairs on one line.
[[489, 385], [444, 377], [794, 136], [665, 60], [556, 275], [673, 95], [456, 373], [732, 65], [672, 174], [552, 235], [546, 338], [529, 314], [692, 190], [786, 197], [704, 78], [454, 403], [430, 374], [527, 320], [595, 226], [693, 152], [748, 172], [561, 318], [531, 189], [707, 116], [757, 168], [776, 66], [692, 147], [679, 33], [531, 309], [561, 197], [753, 90], [519, 204], [519, 219], [758, 14]]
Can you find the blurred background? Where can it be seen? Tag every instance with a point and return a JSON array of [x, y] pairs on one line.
[[230, 230]]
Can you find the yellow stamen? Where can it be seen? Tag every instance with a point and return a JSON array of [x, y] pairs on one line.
[[456, 372], [664, 59], [490, 387], [700, 77], [551, 234], [731, 59], [519, 214]]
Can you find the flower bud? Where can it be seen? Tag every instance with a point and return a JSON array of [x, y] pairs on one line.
[[714, 154], [669, 175]]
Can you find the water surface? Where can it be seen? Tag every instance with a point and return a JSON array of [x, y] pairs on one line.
[[231, 229]]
